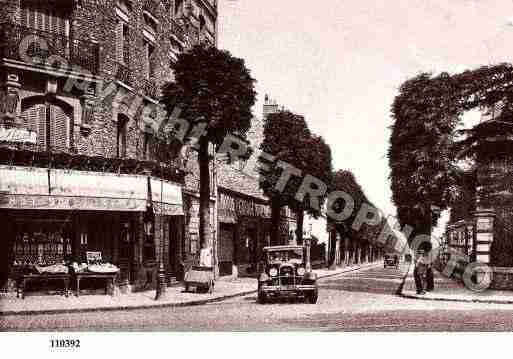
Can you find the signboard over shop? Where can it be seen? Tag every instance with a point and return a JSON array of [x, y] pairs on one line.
[[57, 189], [14, 134]]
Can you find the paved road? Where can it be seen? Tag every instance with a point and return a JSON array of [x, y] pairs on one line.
[[360, 300]]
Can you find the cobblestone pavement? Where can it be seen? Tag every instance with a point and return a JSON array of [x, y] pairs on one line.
[[361, 300]]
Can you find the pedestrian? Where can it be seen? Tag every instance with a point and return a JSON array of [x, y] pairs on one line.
[[205, 256], [430, 283], [420, 272]]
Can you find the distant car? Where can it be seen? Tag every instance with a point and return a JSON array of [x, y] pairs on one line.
[[391, 260], [284, 273]]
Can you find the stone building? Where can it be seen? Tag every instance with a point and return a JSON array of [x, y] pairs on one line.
[[79, 165], [481, 221], [244, 213]]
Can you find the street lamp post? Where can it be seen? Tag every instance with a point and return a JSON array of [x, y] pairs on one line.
[[161, 274], [149, 221]]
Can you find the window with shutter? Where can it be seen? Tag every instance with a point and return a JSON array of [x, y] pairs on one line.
[[59, 122], [122, 136], [122, 43], [46, 18], [150, 61], [35, 120], [126, 51], [51, 123]]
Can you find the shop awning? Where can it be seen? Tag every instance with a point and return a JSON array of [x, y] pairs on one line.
[[58, 189]]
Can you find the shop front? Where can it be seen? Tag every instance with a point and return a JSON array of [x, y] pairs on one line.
[[57, 216], [244, 229]]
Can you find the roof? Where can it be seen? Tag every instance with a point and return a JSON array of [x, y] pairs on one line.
[[282, 248], [235, 180]]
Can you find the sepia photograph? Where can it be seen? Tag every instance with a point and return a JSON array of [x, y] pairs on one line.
[[277, 167]]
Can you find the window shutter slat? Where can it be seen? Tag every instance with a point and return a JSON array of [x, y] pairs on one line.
[[59, 125]]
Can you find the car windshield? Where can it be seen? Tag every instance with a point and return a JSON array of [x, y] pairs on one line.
[[289, 255]]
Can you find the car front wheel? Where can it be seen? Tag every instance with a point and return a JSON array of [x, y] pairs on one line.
[[262, 297], [311, 297]]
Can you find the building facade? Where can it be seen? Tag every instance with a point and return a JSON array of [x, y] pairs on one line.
[[244, 212], [481, 222], [80, 166]]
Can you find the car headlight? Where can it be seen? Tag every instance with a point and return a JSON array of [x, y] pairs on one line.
[[273, 272], [300, 271]]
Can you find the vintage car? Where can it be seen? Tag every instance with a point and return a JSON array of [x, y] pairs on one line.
[[285, 272], [391, 260]]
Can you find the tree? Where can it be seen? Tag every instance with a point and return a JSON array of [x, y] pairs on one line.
[[344, 180], [286, 136], [316, 155], [214, 89], [424, 148]]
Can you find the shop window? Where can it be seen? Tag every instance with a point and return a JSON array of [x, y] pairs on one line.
[[42, 241], [125, 240], [122, 136], [149, 230]]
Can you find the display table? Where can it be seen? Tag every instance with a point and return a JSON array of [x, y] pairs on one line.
[[23, 279], [200, 277], [109, 280]]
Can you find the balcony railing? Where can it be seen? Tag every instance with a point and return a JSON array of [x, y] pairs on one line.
[[206, 38], [178, 31], [18, 154], [150, 88], [124, 74], [42, 44]]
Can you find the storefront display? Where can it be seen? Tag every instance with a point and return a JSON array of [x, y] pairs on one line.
[[41, 242]]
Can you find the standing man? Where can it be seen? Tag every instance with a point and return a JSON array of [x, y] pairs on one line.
[[430, 285], [420, 272]]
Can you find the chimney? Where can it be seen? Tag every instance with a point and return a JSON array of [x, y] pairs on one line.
[[270, 106]]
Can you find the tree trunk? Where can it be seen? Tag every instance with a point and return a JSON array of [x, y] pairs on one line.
[[204, 205], [300, 218], [275, 222]]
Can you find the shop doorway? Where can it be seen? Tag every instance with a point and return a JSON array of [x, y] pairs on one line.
[[176, 230], [226, 248]]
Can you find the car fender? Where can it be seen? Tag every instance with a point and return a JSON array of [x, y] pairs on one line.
[[263, 277], [311, 276]]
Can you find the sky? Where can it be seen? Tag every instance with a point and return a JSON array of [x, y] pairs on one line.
[[340, 63]]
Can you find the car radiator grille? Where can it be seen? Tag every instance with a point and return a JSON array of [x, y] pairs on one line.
[[287, 276]]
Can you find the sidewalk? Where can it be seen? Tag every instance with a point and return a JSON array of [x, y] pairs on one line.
[[175, 297], [452, 290]]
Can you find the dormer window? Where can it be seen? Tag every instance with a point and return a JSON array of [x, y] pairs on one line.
[[150, 22], [124, 6]]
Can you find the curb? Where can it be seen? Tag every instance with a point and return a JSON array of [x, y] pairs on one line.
[[446, 299], [157, 305]]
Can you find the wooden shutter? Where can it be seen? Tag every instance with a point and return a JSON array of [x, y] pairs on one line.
[[35, 120], [48, 18], [59, 121], [119, 41]]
